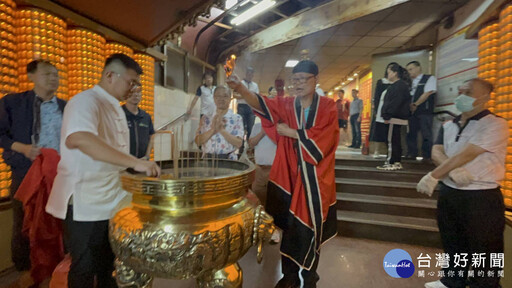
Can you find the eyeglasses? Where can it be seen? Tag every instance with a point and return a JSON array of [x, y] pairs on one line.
[[300, 80], [132, 83]]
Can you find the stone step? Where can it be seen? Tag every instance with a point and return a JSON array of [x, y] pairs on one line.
[[365, 172], [402, 229], [414, 223], [370, 162], [380, 187], [399, 206]]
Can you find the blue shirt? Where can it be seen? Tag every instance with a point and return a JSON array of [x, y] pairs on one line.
[[306, 113], [51, 122]]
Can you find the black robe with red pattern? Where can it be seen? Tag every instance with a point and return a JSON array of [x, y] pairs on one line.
[[302, 190]]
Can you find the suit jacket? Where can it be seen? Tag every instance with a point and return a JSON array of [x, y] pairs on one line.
[[16, 121]]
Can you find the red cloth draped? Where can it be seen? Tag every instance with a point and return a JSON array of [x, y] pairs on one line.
[[44, 231]]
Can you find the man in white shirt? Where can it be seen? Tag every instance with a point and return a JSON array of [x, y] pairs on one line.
[[264, 154], [243, 109], [470, 153], [87, 189], [423, 94]]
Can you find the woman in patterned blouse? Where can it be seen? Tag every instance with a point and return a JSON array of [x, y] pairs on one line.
[[221, 134]]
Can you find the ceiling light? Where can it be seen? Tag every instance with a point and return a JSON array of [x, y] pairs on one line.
[[350, 78], [230, 3], [355, 74], [337, 88], [470, 59], [330, 93], [253, 11], [343, 83], [291, 63]]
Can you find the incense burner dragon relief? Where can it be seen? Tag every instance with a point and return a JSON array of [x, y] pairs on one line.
[[190, 227]]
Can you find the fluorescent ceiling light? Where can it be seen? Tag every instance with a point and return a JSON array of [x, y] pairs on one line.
[[230, 3], [470, 59], [355, 74], [253, 11], [350, 78], [291, 63], [343, 83]]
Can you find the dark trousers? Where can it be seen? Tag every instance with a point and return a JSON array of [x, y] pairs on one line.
[[471, 222], [248, 116], [291, 272], [356, 130], [394, 142], [417, 123], [20, 244], [91, 255]]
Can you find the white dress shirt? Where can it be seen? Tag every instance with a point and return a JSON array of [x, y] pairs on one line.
[[94, 185], [429, 86], [251, 86], [265, 151], [486, 131]]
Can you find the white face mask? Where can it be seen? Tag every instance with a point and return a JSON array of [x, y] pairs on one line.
[[464, 103]]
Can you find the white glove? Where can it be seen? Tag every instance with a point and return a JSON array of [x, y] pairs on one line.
[[461, 176], [427, 184]]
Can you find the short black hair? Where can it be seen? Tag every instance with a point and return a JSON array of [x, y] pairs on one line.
[[126, 61], [32, 66], [342, 91], [416, 63], [270, 89]]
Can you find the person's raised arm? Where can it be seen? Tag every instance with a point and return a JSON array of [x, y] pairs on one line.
[[234, 83]]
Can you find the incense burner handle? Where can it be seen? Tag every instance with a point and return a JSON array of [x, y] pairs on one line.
[[263, 229]]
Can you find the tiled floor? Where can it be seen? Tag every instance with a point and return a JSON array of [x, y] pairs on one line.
[[344, 262]]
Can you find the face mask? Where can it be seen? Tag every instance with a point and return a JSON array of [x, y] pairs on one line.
[[464, 103]]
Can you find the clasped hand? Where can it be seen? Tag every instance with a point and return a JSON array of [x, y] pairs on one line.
[[284, 130], [218, 123]]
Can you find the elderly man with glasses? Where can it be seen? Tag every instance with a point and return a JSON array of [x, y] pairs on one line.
[[301, 189]]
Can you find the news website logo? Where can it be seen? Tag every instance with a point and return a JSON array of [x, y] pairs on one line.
[[398, 264]]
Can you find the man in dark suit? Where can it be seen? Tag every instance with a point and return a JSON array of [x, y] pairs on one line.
[[29, 121]]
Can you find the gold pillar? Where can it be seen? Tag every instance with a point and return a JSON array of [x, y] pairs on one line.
[[113, 47], [488, 39], [40, 35], [504, 90], [148, 82], [86, 57], [8, 73]]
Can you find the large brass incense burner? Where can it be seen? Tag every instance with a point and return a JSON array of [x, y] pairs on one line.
[[193, 222]]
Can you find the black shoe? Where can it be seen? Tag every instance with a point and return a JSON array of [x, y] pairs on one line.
[[409, 157]]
